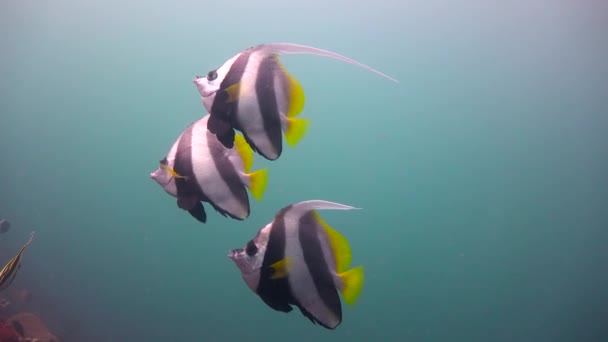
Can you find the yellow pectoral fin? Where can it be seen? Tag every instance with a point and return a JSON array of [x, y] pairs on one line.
[[259, 179], [296, 129], [353, 284], [244, 151], [173, 172], [280, 268], [339, 245], [176, 175], [233, 92]]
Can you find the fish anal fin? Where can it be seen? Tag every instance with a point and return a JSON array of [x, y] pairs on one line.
[[198, 212], [353, 280], [187, 202], [339, 245]]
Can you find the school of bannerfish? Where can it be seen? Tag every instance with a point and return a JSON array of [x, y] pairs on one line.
[[252, 101]]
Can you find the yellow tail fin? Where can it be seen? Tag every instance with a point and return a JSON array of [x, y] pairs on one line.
[[258, 183], [244, 150], [353, 284], [296, 129]]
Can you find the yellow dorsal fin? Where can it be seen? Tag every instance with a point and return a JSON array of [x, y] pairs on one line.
[[339, 245], [353, 284], [296, 129], [281, 268], [259, 179], [233, 92], [295, 92], [244, 150]]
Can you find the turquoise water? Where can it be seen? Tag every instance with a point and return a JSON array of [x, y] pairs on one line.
[[482, 175]]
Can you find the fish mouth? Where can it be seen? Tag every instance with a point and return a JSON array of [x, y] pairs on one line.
[[156, 176], [232, 254], [202, 89]]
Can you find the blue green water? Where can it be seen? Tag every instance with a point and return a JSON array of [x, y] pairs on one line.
[[482, 175]]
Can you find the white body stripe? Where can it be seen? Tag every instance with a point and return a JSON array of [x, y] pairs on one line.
[[248, 114], [207, 173], [300, 278]]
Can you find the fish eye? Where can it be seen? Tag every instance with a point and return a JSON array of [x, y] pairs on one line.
[[211, 75], [251, 248]]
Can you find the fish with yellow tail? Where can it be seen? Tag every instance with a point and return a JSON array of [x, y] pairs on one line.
[[9, 271], [198, 168], [298, 259], [254, 93]]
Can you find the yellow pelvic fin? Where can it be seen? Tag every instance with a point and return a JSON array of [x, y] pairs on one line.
[[353, 284], [172, 172], [296, 129], [233, 92], [295, 92], [244, 150], [281, 268], [259, 179], [339, 245]]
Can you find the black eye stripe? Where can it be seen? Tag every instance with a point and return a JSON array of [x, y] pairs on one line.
[[251, 248]]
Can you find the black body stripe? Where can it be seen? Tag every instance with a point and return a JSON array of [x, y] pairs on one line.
[[267, 101], [222, 122], [275, 292], [317, 265], [183, 166], [220, 107], [228, 173]]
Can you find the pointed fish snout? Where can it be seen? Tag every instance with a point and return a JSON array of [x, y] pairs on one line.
[[233, 253]]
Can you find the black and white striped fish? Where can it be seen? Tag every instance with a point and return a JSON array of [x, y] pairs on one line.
[[199, 168], [253, 92], [298, 259], [8, 272]]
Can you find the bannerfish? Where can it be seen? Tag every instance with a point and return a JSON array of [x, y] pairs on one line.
[[8, 273], [298, 259], [253, 93], [5, 226], [198, 168]]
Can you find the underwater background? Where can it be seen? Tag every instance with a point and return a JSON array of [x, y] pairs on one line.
[[482, 175]]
